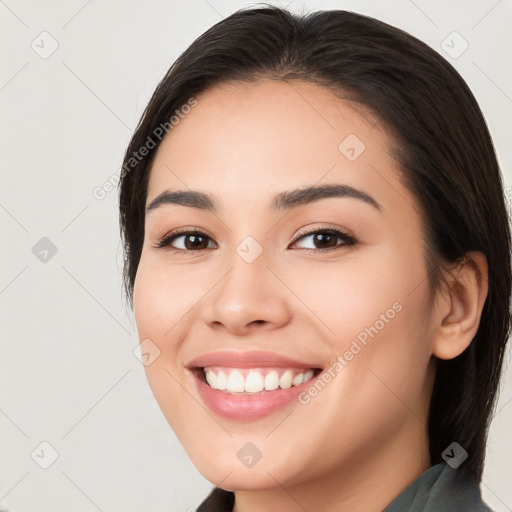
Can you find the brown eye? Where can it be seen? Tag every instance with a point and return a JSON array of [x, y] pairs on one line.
[[196, 241], [326, 239], [192, 241]]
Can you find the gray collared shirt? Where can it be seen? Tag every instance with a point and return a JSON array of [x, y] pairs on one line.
[[439, 489]]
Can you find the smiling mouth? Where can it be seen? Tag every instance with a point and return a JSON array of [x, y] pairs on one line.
[[250, 381]]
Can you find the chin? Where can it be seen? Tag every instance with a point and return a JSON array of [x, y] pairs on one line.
[[241, 479]]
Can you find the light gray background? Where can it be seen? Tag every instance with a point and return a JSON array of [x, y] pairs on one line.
[[68, 372]]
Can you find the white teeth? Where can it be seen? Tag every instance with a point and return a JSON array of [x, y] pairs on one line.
[[308, 375], [233, 381], [222, 381], [216, 381], [271, 381], [254, 382], [286, 379], [298, 379], [211, 378]]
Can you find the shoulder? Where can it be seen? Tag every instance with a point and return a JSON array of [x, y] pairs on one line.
[[440, 489]]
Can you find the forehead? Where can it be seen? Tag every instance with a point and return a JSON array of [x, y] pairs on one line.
[[246, 141]]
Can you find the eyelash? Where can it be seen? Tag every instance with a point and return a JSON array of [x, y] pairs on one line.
[[348, 240]]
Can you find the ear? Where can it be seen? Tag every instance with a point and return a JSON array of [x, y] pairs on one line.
[[460, 306]]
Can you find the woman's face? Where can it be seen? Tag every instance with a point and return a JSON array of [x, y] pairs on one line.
[[271, 273]]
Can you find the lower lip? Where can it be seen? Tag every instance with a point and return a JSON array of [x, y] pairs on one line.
[[248, 407]]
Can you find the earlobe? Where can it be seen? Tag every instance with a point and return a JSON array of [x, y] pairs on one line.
[[461, 306]]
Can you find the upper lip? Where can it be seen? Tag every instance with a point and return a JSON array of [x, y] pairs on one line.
[[247, 359]]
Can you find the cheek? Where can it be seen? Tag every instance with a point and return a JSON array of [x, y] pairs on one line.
[[160, 305], [373, 310], [379, 375], [386, 354], [352, 294], [162, 299]]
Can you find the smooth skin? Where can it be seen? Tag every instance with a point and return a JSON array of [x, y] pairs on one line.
[[363, 439]]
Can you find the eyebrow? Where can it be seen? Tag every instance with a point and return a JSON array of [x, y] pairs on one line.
[[283, 201]]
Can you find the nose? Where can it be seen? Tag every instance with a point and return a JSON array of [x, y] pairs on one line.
[[249, 297]]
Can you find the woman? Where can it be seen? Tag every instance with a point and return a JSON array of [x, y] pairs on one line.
[[318, 251]]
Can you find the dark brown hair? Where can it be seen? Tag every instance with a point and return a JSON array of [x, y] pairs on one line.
[[443, 151]]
